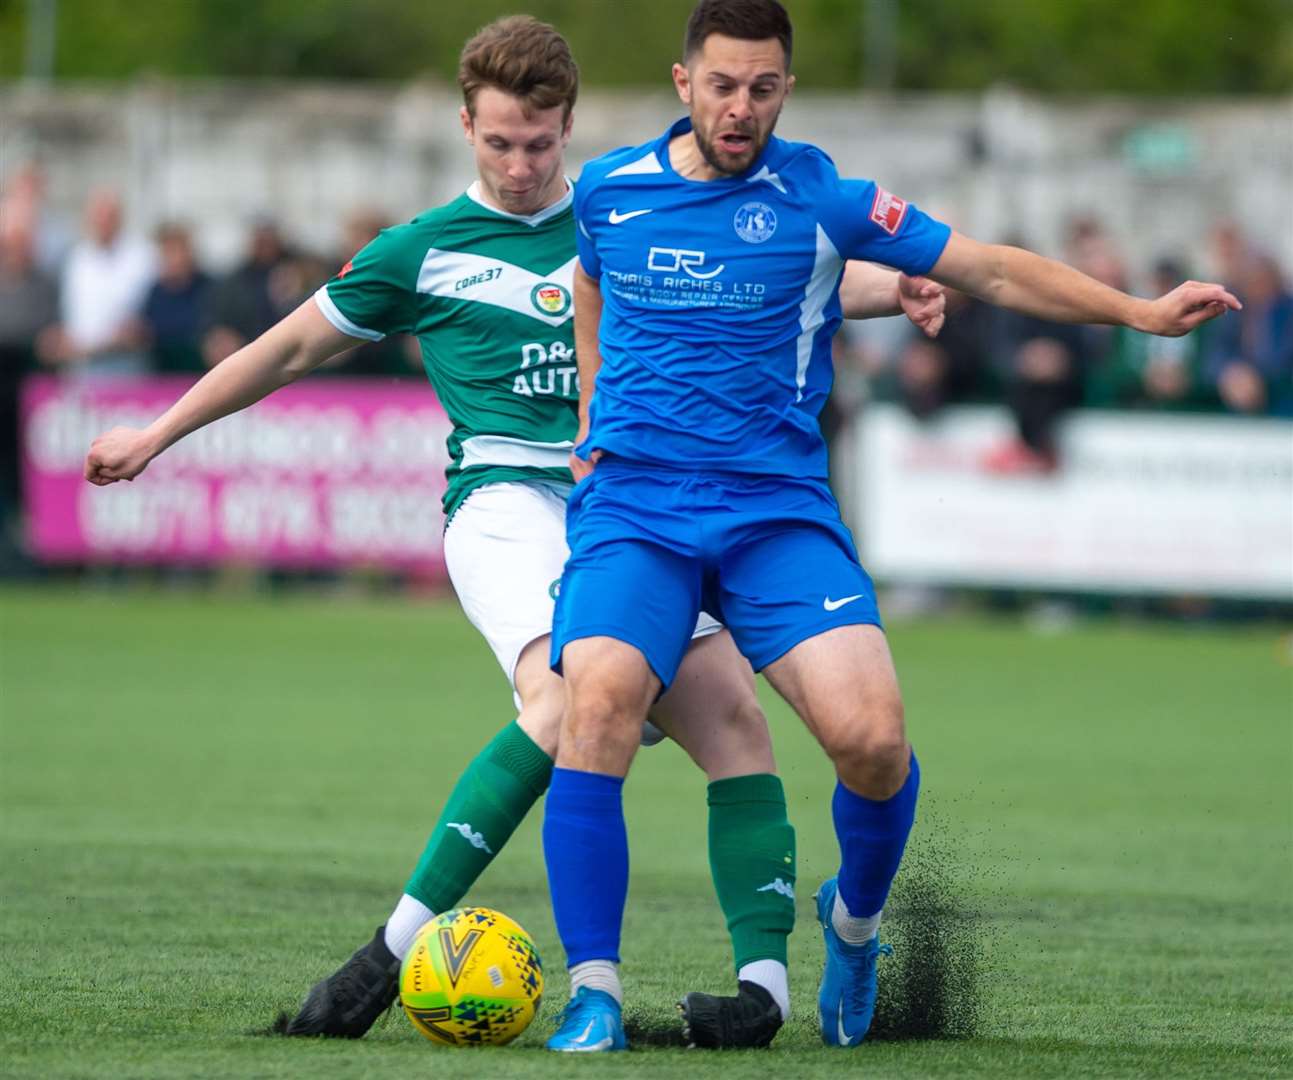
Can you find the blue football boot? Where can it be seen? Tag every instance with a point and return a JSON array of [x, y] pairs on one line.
[[846, 998], [590, 1023]]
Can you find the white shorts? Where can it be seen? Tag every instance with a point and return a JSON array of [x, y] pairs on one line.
[[505, 548]]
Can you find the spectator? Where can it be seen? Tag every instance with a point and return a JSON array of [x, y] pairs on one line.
[[28, 304], [1250, 357], [379, 359], [245, 304], [102, 289], [174, 310], [1228, 254], [949, 369], [23, 200], [1145, 371], [360, 227], [1040, 365]]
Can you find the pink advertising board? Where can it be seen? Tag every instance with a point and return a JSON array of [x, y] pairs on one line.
[[323, 473]]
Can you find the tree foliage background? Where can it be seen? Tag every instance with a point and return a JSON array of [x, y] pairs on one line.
[[1161, 47]]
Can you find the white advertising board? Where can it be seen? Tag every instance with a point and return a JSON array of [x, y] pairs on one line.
[[1195, 505]]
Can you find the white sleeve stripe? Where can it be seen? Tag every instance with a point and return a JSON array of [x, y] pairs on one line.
[[333, 314]]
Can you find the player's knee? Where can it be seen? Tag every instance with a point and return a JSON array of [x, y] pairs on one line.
[[740, 743], [870, 743], [601, 714], [540, 717], [743, 717]]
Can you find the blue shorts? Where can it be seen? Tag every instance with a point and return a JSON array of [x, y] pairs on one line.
[[650, 548]]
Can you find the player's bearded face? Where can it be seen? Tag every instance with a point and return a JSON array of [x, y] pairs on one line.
[[735, 90], [519, 150]]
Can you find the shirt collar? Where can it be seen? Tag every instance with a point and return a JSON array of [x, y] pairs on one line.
[[538, 218]]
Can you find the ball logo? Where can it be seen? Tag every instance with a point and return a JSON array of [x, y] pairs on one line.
[[755, 222], [456, 952], [550, 298]]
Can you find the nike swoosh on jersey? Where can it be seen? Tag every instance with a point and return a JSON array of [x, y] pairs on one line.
[[835, 605], [616, 217]]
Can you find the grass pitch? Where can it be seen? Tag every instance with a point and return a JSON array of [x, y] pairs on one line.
[[208, 802]]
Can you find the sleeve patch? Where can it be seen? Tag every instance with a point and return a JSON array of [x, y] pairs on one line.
[[888, 210]]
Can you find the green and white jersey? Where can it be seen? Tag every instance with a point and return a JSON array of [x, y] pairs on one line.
[[488, 296]]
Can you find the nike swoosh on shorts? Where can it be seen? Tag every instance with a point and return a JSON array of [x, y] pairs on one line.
[[835, 605]]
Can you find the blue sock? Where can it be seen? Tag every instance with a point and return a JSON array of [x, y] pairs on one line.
[[587, 852], [872, 835]]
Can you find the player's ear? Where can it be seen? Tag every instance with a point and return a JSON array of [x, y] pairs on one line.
[[682, 83], [468, 128], [790, 84], [567, 127]]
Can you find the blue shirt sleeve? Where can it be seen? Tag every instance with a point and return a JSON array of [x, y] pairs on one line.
[[585, 246], [864, 221]]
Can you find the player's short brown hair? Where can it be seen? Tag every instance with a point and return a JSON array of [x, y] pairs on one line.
[[746, 20], [522, 56]]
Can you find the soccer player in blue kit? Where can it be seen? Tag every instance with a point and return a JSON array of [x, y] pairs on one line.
[[706, 300]]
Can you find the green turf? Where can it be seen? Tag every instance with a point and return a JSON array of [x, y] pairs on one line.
[[209, 801]]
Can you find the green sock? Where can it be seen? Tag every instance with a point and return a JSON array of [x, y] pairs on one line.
[[490, 800], [752, 858]]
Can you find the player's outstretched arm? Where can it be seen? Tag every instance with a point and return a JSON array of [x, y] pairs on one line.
[[1022, 281], [868, 291], [286, 351], [588, 356]]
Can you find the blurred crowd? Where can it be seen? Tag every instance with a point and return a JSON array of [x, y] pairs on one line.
[[1241, 364], [104, 300], [100, 299]]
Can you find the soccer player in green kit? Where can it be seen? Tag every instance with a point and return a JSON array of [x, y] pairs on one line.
[[484, 282]]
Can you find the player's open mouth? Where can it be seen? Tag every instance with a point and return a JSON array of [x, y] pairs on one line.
[[735, 143]]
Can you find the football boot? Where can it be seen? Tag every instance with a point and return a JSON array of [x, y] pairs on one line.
[[591, 1022], [750, 1019], [846, 998], [349, 1001]]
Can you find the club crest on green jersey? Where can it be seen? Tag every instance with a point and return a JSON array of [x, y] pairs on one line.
[[550, 298]]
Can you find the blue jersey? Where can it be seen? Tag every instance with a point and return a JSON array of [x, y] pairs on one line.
[[720, 299]]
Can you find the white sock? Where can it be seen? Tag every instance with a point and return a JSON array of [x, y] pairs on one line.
[[597, 975], [771, 975], [409, 916], [850, 928]]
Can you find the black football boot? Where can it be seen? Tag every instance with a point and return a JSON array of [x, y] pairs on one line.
[[750, 1019], [349, 1001]]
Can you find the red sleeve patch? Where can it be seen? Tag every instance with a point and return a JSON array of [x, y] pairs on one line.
[[350, 265], [888, 210]]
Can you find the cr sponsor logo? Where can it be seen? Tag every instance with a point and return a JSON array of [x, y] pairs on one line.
[[674, 260]]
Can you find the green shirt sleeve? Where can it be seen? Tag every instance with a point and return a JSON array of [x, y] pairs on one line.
[[375, 293]]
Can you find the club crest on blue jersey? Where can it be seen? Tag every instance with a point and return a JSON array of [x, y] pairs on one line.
[[755, 222], [550, 298]]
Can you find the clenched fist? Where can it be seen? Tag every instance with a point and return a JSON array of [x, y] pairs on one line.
[[121, 454]]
